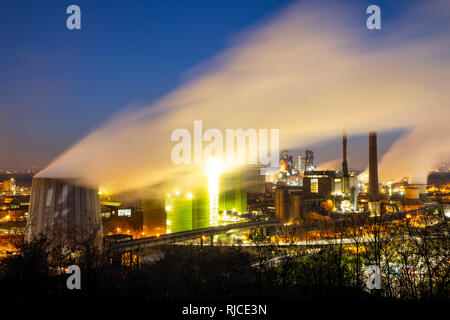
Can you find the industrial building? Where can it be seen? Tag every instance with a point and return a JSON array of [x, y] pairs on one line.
[[186, 211], [322, 189], [319, 182], [196, 209], [154, 216], [232, 196], [253, 181], [288, 203]]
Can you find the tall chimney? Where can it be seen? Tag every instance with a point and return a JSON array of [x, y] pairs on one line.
[[374, 192], [345, 178], [344, 155]]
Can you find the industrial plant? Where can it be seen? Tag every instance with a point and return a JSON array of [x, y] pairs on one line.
[[296, 194], [197, 156], [297, 207]]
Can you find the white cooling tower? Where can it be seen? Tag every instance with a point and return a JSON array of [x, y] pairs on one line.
[[66, 213]]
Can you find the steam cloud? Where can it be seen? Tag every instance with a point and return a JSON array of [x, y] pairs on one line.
[[310, 71]]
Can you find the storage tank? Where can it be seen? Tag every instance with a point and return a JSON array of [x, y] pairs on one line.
[[413, 191], [65, 212]]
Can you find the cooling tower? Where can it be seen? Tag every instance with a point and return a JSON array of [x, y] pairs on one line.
[[66, 213]]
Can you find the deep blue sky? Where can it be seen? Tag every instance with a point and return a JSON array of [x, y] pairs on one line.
[[56, 84]]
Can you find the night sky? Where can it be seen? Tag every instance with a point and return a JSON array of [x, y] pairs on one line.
[[56, 85]]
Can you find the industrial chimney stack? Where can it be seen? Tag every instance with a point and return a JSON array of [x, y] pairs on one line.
[[374, 192], [345, 176]]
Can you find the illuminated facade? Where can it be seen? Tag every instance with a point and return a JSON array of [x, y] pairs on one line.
[[188, 211], [232, 197], [179, 214], [319, 182]]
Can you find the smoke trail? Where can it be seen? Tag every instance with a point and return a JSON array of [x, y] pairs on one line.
[[335, 164], [309, 72], [415, 153]]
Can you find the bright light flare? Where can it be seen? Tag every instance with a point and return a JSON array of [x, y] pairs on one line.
[[213, 169]]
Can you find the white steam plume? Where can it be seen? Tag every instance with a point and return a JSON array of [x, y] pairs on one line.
[[309, 72]]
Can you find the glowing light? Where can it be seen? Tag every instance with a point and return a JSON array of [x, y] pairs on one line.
[[214, 167], [168, 208], [102, 190], [189, 195], [177, 193], [213, 170]]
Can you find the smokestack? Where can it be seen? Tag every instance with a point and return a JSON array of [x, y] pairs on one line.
[[344, 155], [374, 192], [67, 214], [345, 179]]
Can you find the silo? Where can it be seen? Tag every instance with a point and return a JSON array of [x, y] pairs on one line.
[[179, 214], [413, 191], [65, 212]]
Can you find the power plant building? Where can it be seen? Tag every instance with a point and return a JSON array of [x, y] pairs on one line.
[[179, 214], [319, 182], [187, 212], [252, 179], [288, 203], [153, 216], [232, 196]]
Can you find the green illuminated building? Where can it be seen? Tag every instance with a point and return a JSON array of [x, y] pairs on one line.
[[188, 212], [231, 195], [179, 214], [191, 210], [200, 209]]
